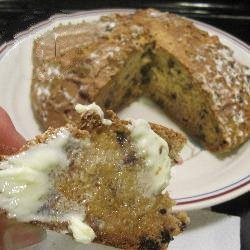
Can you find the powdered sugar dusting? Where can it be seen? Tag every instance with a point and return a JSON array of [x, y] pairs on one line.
[[154, 13], [101, 54], [200, 58], [227, 82], [53, 71], [239, 117], [43, 91], [136, 30], [48, 72], [107, 25]]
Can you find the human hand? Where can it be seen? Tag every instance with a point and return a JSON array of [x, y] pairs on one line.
[[14, 235]]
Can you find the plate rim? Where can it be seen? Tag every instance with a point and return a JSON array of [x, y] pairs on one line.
[[188, 203]]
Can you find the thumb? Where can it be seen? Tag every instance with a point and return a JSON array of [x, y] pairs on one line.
[[10, 140], [15, 235]]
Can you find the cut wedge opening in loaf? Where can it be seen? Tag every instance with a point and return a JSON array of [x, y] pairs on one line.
[[175, 91]]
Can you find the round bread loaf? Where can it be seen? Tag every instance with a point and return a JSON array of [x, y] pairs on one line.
[[112, 61]]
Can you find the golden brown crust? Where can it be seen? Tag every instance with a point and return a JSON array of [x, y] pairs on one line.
[[120, 59], [175, 140]]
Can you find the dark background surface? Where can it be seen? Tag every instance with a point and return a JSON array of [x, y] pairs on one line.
[[231, 16]]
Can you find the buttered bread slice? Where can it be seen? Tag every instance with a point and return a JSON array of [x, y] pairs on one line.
[[101, 180]]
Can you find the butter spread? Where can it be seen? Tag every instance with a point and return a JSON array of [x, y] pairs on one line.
[[24, 178], [155, 177], [25, 183], [94, 108], [81, 231]]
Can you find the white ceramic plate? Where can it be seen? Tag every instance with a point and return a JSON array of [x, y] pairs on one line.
[[202, 181]]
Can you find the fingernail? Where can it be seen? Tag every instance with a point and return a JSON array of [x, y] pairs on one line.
[[22, 235]]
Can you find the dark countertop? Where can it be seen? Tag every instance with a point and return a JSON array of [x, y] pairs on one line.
[[231, 16]]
